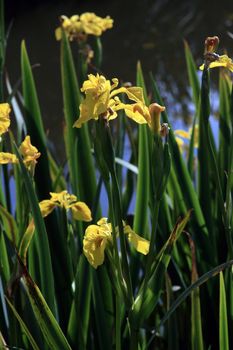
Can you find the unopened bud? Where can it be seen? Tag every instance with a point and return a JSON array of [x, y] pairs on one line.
[[211, 44], [164, 131], [155, 110]]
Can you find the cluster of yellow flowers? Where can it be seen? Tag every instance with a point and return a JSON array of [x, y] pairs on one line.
[[97, 237], [29, 152], [77, 27], [102, 101]]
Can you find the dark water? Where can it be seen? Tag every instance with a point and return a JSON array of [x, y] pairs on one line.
[[149, 31]]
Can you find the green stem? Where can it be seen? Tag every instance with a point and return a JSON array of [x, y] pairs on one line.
[[118, 207], [150, 256], [205, 97], [133, 339], [118, 322], [116, 257], [153, 239], [2, 48]]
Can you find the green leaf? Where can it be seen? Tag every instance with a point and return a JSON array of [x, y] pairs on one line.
[[31, 103], [223, 324], [196, 323], [192, 74], [51, 330], [142, 191], [71, 100], [34, 125], [41, 239], [79, 153], [225, 87], [80, 310], [189, 194], [2, 48], [98, 52], [204, 278], [3, 344], [23, 325], [103, 307], [4, 259], [205, 180], [148, 296], [25, 241], [9, 225]]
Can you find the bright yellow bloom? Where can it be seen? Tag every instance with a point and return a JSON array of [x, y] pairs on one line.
[[29, 153], [6, 158], [67, 201], [139, 243], [95, 241], [102, 100], [77, 27], [95, 25], [98, 237], [4, 117], [220, 61]]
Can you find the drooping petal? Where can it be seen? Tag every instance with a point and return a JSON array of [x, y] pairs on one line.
[[81, 211], [87, 108], [4, 117], [221, 61], [46, 207], [6, 158], [138, 112], [139, 243], [134, 93]]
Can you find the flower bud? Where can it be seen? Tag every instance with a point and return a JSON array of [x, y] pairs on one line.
[[211, 44], [164, 131], [155, 110]]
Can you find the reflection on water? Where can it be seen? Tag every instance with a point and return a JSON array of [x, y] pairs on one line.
[[151, 31]]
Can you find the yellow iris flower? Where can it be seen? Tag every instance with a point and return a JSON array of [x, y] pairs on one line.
[[98, 237], [4, 117], [95, 25], [220, 61], [77, 27], [101, 100], [80, 210], [6, 158], [29, 153]]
